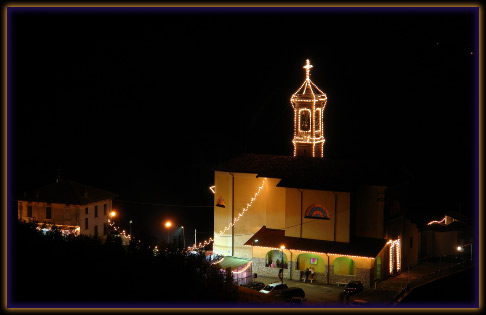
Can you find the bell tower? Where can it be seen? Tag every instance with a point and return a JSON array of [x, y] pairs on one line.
[[308, 103]]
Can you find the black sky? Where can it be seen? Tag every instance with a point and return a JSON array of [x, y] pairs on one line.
[[145, 102]]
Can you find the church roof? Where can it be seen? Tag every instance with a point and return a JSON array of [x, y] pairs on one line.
[[314, 173], [274, 238], [67, 192]]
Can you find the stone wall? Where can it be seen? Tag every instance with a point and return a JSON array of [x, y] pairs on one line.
[[363, 275]]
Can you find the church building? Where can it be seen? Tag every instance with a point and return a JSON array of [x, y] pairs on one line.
[[302, 211]]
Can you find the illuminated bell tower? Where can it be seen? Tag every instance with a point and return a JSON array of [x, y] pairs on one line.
[[308, 103]]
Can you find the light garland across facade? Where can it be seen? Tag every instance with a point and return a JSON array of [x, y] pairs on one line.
[[236, 219], [242, 270], [311, 252]]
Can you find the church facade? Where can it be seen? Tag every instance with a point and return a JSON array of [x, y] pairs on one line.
[[302, 211]]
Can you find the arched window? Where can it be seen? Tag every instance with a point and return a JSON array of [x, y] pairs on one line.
[[316, 211], [274, 259], [304, 120], [308, 260], [344, 266]]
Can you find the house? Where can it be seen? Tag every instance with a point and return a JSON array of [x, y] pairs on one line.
[[302, 211], [446, 237], [74, 208]]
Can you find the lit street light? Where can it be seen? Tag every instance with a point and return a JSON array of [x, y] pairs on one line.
[[183, 237], [167, 225], [461, 249], [131, 231]]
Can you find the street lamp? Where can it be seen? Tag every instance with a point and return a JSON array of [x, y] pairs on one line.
[[461, 248], [131, 231], [183, 237], [167, 225], [282, 248], [113, 214]]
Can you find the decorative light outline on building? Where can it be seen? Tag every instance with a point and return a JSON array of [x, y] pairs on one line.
[[311, 252], [301, 136], [394, 254], [438, 222]]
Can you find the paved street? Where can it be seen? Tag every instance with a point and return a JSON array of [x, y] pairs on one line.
[[316, 294], [319, 294]]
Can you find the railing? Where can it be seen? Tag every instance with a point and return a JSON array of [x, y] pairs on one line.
[[429, 277]]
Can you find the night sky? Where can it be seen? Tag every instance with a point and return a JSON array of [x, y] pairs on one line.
[[146, 102]]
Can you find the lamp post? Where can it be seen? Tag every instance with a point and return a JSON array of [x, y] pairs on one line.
[[112, 214], [282, 248], [461, 248], [131, 231], [183, 237], [167, 225]]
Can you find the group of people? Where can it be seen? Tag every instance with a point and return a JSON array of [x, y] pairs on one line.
[[309, 274]]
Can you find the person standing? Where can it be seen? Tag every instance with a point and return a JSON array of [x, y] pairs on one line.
[[307, 272], [312, 272]]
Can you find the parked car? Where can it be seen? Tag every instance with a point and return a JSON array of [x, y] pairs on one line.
[[254, 285], [273, 287], [289, 293], [353, 288]]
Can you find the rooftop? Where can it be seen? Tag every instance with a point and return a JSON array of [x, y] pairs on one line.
[[67, 192], [315, 173]]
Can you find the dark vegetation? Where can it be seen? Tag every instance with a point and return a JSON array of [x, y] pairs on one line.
[[52, 268]]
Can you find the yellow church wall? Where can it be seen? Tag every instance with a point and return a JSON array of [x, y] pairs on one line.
[[275, 204], [246, 185], [316, 228], [292, 212], [343, 210]]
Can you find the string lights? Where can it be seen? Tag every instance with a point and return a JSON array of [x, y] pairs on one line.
[[308, 120], [394, 254], [236, 219], [242, 270], [438, 222], [311, 252]]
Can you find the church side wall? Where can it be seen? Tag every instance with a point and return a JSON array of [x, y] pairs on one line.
[[370, 211]]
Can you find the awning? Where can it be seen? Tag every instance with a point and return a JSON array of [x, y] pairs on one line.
[[232, 262]]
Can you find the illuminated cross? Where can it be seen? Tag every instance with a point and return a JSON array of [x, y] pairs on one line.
[[307, 68]]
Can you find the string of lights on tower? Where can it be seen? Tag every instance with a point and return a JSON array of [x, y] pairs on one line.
[[308, 104]]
